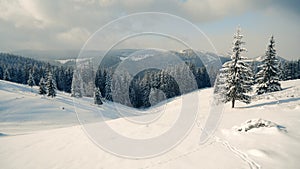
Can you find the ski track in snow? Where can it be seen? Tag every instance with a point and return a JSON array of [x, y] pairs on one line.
[[252, 164], [172, 159]]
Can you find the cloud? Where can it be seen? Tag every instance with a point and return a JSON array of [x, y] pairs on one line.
[[66, 11], [70, 22], [24, 13], [44, 13], [74, 36]]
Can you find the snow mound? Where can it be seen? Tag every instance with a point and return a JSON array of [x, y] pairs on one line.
[[257, 123]]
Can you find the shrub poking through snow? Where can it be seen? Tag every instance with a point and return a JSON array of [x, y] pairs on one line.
[[257, 123]]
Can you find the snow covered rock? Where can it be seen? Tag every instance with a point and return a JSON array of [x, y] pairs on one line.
[[256, 123]]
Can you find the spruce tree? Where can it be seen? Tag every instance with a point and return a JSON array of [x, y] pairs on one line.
[[107, 88], [51, 86], [77, 85], [42, 87], [236, 75], [281, 71], [6, 75], [268, 76], [30, 80], [97, 96]]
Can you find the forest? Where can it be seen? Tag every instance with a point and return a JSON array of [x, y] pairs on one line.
[[143, 90]]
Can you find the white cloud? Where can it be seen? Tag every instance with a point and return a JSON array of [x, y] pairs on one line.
[[74, 36], [88, 13], [70, 22], [23, 13]]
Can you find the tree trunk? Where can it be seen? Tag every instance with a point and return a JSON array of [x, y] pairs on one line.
[[233, 100]]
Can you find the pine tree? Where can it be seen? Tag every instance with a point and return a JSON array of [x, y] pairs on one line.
[[97, 97], [268, 76], [108, 94], [298, 69], [236, 75], [30, 80], [51, 86], [77, 85], [287, 71], [6, 75], [1, 72], [42, 88], [281, 71]]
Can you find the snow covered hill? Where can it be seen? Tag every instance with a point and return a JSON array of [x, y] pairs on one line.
[[23, 110], [44, 133]]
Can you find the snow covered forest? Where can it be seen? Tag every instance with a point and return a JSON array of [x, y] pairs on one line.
[[145, 89], [18, 69]]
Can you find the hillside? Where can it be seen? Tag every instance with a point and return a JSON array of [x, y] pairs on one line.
[[39, 132]]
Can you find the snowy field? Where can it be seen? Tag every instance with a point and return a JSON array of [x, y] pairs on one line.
[[37, 132]]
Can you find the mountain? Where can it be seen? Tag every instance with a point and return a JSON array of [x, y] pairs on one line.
[[114, 56], [260, 58]]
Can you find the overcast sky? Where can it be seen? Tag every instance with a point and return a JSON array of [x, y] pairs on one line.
[[66, 24]]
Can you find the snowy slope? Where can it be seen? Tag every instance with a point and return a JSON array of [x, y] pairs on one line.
[[69, 147], [22, 110]]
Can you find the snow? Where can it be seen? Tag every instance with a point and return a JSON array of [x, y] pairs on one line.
[[63, 61], [38, 132], [122, 58], [22, 110], [257, 123], [139, 57]]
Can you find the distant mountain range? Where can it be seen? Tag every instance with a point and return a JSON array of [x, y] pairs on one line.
[[116, 56], [61, 55], [260, 58]]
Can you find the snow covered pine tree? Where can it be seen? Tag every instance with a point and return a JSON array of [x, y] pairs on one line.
[[42, 88], [97, 97], [51, 86], [77, 85], [236, 75], [268, 76], [30, 80]]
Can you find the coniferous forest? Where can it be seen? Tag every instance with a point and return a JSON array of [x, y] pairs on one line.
[[145, 89]]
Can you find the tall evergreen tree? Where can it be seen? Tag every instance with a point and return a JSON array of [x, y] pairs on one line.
[[287, 71], [6, 75], [236, 75], [107, 88], [51, 85], [281, 71], [97, 96], [268, 76], [30, 80], [1, 72], [298, 69], [77, 85], [42, 87]]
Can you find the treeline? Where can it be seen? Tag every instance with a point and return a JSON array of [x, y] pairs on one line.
[[19, 70], [290, 70], [143, 90]]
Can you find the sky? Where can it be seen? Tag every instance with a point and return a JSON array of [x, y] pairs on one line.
[[68, 24]]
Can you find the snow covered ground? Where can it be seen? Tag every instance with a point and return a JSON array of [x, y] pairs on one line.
[[38, 132]]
